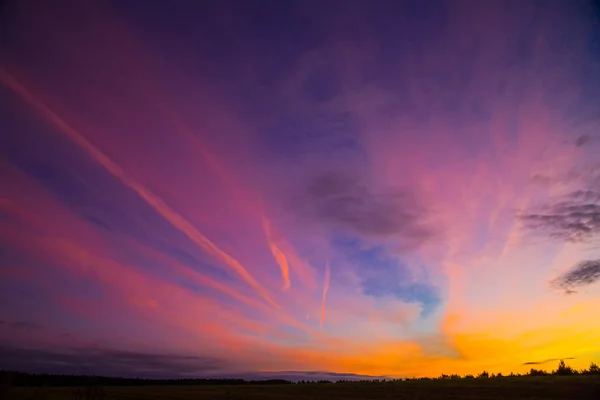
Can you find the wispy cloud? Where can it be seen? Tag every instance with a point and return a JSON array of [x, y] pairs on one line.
[[296, 376], [277, 253], [107, 362], [583, 140], [156, 202], [325, 289], [20, 325], [549, 360], [347, 202], [575, 218], [582, 274]]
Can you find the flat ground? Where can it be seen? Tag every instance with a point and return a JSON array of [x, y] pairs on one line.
[[572, 388]]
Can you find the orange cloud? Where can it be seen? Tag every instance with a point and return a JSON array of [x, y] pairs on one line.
[[325, 289], [277, 253], [285, 255]]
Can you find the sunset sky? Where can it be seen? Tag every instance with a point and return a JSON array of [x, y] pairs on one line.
[[299, 188]]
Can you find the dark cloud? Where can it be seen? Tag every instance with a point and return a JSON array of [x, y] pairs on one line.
[[574, 219], [120, 363], [345, 202], [106, 362], [582, 140], [296, 376], [22, 325], [583, 274], [547, 361]]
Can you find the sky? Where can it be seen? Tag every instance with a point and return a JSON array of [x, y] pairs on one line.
[[299, 188]]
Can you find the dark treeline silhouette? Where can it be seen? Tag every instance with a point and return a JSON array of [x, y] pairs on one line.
[[21, 379], [562, 370], [51, 380]]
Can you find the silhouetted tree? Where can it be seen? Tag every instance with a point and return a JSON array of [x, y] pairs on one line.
[[563, 369], [484, 374], [537, 372], [592, 370]]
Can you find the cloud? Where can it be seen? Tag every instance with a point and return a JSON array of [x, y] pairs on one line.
[[97, 360], [112, 213], [20, 325], [307, 375], [547, 361], [583, 274], [107, 362], [575, 219], [582, 140], [325, 289], [345, 202], [158, 204], [278, 255]]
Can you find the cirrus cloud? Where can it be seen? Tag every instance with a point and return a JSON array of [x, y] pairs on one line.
[[582, 274], [574, 219], [346, 202]]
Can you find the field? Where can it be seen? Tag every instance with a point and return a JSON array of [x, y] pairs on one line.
[[553, 387]]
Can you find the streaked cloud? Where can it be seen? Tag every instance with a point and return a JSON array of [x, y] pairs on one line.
[[582, 274], [107, 362], [575, 218], [277, 253], [156, 202], [549, 360]]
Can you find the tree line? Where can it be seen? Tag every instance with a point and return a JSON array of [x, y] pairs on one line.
[[22, 379], [10, 378], [561, 370]]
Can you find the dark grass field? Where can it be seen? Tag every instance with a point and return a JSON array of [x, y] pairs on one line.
[[552, 387]]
